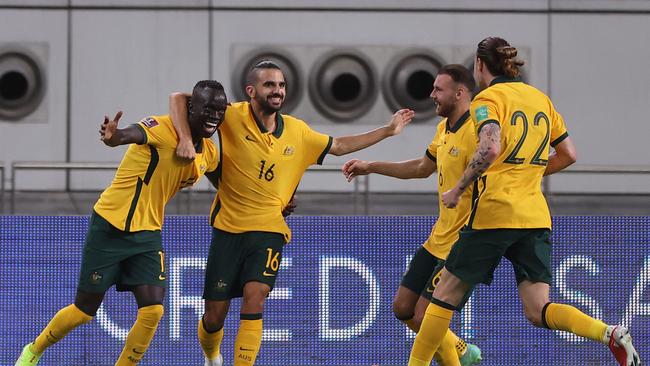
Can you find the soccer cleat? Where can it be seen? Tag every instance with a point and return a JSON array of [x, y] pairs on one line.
[[472, 356], [217, 361], [620, 343], [27, 358]]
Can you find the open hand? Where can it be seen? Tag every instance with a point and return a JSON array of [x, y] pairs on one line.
[[108, 128], [400, 119]]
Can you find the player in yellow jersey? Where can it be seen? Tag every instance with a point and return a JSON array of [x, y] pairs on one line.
[[265, 154], [124, 244], [516, 124], [449, 153]]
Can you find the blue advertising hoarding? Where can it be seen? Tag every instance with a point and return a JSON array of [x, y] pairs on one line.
[[332, 304]]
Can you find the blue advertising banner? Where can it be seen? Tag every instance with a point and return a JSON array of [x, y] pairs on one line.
[[332, 304]]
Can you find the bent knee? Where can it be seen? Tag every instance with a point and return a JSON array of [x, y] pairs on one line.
[[535, 318], [403, 310], [151, 313]]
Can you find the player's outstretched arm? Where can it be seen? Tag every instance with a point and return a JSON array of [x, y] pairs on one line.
[[347, 144], [489, 148], [112, 136], [563, 156], [178, 113], [416, 168]]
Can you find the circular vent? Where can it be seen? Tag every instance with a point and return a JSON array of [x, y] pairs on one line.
[[22, 85]]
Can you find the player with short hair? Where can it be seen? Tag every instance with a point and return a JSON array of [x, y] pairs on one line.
[[265, 154], [449, 153], [516, 124], [124, 243]]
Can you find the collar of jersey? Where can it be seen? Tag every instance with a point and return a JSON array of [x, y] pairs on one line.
[[279, 123], [461, 121], [505, 79]]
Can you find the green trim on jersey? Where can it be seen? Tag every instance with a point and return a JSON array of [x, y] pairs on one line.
[[430, 156], [478, 131], [505, 79], [559, 139], [138, 188], [325, 151], [279, 123], [461, 121]]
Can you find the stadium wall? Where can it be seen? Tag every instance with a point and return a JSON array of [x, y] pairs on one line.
[[332, 301], [98, 56]]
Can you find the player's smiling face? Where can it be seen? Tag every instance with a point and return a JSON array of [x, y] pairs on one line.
[[207, 112], [444, 95], [269, 90]]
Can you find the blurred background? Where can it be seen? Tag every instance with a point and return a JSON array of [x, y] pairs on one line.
[[64, 64]]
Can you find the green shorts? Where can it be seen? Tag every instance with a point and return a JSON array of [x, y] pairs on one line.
[[236, 259], [126, 259], [423, 274], [477, 253]]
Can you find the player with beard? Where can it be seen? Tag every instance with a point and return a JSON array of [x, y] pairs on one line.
[[265, 154], [124, 243], [449, 153]]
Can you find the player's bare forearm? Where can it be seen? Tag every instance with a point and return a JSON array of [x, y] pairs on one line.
[[488, 149], [348, 144], [563, 156], [178, 113], [416, 168], [125, 136]]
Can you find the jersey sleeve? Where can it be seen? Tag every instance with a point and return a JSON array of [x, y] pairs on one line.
[[558, 129], [212, 158], [317, 145], [158, 131], [483, 111], [432, 150]]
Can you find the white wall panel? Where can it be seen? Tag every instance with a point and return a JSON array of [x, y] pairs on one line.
[[41, 135], [129, 60], [599, 82], [429, 30], [391, 4], [29, 3]]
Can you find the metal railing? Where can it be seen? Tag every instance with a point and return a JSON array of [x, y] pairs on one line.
[[357, 187], [66, 166]]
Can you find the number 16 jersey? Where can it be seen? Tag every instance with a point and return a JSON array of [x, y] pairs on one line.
[[260, 170]]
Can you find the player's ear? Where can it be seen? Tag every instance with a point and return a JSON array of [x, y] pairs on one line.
[[250, 91]]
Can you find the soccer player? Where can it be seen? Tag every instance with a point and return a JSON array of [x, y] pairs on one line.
[[265, 154], [515, 124], [124, 244], [449, 153]]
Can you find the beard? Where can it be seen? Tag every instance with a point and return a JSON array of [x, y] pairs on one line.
[[266, 106], [443, 110]]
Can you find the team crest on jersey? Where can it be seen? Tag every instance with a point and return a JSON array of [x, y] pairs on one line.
[[453, 151], [149, 122], [481, 113], [288, 150]]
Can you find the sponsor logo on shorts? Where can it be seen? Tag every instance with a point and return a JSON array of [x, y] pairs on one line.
[[95, 278], [266, 274], [161, 277]]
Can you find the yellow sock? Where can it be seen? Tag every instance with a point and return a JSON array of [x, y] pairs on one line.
[[432, 331], [567, 318], [446, 354], [140, 335], [210, 342], [61, 324], [249, 339], [459, 344]]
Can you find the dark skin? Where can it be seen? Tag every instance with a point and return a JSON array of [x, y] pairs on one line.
[[206, 111]]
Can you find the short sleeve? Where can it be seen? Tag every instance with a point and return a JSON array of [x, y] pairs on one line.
[[159, 131], [316, 145], [432, 150], [483, 111], [558, 129]]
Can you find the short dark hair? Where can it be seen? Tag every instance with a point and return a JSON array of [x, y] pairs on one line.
[[499, 57], [210, 84], [251, 77], [459, 74]]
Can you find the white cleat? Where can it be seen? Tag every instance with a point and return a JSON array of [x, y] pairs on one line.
[[620, 343], [218, 361]]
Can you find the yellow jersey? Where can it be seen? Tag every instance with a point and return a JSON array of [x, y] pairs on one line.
[[150, 175], [260, 170], [509, 193], [452, 150]]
